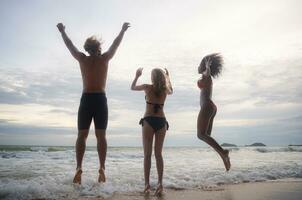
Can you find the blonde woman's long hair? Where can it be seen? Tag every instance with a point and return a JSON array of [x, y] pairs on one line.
[[160, 81]]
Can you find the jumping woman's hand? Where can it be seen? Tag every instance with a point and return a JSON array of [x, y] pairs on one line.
[[126, 25], [139, 72], [207, 71], [167, 72], [61, 27], [208, 63]]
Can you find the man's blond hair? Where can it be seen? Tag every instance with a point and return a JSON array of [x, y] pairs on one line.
[[92, 45]]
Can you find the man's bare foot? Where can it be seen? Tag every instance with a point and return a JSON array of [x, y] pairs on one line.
[[226, 160], [147, 189], [102, 177], [159, 190], [77, 177]]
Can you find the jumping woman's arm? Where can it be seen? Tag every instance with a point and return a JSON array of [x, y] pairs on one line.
[[138, 87], [170, 89], [110, 53], [207, 72]]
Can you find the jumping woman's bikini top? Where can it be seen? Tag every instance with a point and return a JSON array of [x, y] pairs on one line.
[[156, 106], [203, 83]]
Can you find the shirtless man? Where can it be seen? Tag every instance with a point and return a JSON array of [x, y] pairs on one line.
[[93, 104]]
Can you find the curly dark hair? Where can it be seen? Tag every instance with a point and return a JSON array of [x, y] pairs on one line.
[[216, 63]]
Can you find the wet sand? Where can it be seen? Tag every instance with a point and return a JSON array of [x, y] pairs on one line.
[[246, 191]]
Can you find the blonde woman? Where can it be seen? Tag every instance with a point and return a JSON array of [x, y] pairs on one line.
[[209, 67], [154, 123]]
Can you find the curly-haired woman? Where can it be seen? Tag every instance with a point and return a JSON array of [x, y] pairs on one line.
[[210, 66]]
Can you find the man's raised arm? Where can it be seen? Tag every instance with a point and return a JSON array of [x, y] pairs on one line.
[[110, 53], [73, 50]]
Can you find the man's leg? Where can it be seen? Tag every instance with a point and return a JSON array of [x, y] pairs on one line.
[[80, 150], [102, 150], [100, 124], [81, 146]]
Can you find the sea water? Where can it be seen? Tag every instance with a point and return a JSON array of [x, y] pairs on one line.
[[33, 172]]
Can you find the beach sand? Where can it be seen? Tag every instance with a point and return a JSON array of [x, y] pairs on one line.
[[245, 191]]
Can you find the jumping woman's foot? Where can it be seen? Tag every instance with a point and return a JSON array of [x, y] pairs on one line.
[[77, 176], [147, 189], [159, 190], [226, 160], [102, 177]]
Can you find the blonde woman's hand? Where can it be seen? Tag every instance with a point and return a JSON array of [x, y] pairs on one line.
[[139, 72]]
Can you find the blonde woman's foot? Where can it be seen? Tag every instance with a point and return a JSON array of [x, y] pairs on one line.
[[147, 189], [78, 176], [102, 177], [159, 190], [226, 160]]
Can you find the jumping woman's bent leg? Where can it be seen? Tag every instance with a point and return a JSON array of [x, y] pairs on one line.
[[203, 123], [147, 144], [102, 151], [209, 131], [159, 141], [80, 150]]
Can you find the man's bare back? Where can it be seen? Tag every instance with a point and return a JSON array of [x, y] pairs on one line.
[[95, 66], [94, 73]]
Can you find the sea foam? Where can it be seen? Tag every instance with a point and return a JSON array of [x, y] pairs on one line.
[[47, 172]]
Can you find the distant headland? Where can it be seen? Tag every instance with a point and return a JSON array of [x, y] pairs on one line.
[[228, 145], [257, 144]]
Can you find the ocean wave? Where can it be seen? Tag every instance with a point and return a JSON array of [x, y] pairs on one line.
[[8, 155], [42, 174], [277, 149], [32, 148], [9, 148]]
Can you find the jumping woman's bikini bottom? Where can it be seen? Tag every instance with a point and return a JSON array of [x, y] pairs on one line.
[[156, 123]]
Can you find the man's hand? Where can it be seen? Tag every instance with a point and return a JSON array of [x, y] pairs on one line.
[[61, 27], [139, 72], [126, 25]]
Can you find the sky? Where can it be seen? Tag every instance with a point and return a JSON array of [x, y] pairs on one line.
[[258, 94]]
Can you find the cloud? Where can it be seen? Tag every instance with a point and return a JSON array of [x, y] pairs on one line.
[[258, 91], [13, 133], [239, 107], [19, 86], [68, 112]]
